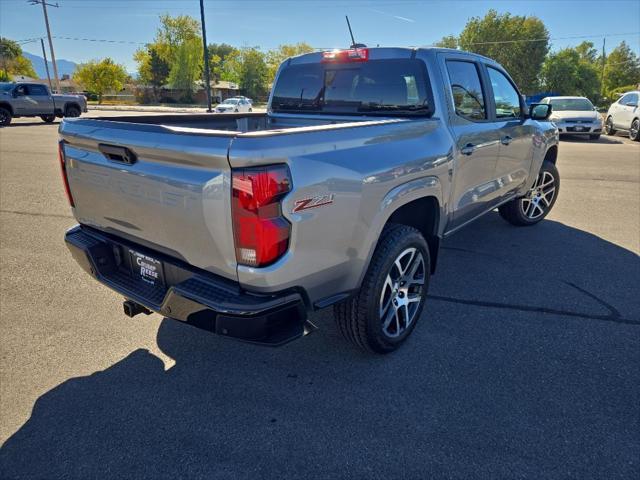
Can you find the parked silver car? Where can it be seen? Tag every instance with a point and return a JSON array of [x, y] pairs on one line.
[[575, 116], [624, 115], [235, 105]]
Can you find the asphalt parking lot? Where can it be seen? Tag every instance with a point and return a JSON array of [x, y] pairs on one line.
[[525, 364]]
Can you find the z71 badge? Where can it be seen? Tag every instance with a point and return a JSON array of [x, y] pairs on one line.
[[313, 202]]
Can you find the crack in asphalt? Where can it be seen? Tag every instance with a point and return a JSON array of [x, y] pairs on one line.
[[36, 214], [613, 315]]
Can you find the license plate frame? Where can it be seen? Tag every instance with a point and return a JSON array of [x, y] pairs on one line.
[[147, 269]]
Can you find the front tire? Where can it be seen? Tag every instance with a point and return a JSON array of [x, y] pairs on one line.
[[634, 131], [386, 309], [608, 126], [5, 117], [48, 118], [538, 202]]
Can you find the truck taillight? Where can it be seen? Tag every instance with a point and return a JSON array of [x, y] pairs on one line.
[[350, 55], [63, 169], [260, 231]]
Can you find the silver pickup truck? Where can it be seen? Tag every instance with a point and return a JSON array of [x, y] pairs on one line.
[[339, 195], [26, 99]]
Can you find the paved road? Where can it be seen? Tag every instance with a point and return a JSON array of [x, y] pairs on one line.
[[526, 362]]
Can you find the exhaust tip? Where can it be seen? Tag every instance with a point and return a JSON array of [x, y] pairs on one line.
[[131, 308]]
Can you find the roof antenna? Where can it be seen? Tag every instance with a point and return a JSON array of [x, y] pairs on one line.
[[353, 40]]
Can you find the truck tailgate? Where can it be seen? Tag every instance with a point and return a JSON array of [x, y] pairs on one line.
[[174, 198]]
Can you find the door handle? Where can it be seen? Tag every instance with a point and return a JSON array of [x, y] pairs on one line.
[[506, 140], [468, 149]]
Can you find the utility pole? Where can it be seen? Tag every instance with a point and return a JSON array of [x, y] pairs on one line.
[[206, 57], [604, 40], [46, 65], [46, 21]]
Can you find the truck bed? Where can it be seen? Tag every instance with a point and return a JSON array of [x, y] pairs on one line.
[[175, 196]]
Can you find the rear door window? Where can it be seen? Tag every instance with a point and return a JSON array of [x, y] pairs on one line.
[[37, 90], [383, 87], [466, 89]]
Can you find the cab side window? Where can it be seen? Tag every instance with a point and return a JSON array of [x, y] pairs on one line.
[[21, 90], [631, 98], [466, 88], [506, 97], [37, 90]]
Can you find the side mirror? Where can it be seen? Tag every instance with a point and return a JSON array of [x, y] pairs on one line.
[[14, 93], [539, 111]]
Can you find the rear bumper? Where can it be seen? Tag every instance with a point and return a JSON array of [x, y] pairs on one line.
[[189, 294]]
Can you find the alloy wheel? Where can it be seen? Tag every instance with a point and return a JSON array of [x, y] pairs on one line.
[[402, 292], [540, 198], [633, 131]]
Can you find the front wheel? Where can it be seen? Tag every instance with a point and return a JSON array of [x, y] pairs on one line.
[[386, 309], [5, 117], [48, 118], [608, 126], [634, 131], [537, 202]]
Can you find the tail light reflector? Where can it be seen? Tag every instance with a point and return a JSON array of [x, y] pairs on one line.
[[63, 170], [261, 233]]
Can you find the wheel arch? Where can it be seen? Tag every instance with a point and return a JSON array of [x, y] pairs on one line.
[[69, 105], [427, 223], [400, 206], [7, 106], [552, 154]]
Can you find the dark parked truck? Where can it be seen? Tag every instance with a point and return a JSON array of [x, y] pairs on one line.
[[25, 99], [338, 196]]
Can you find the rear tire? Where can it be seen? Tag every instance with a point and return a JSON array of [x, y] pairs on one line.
[[385, 311], [594, 137], [72, 112], [608, 126], [537, 203], [5, 117], [634, 131], [48, 118]]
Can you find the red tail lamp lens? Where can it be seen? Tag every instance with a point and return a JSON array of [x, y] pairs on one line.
[[261, 232], [63, 170]]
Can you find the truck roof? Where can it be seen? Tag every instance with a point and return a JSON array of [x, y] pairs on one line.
[[396, 52]]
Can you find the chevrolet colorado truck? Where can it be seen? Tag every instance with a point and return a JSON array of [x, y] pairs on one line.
[[26, 99], [338, 196]]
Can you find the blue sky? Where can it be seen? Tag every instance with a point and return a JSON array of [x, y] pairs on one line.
[[268, 23]]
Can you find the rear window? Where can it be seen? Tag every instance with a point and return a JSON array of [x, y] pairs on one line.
[[397, 87]]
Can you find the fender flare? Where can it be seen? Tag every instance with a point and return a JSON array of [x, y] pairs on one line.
[[396, 198]]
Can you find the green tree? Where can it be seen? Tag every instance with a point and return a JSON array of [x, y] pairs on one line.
[[186, 67], [276, 56], [527, 44], [449, 41], [13, 62], [254, 73], [572, 71], [218, 55], [101, 76], [622, 68], [178, 46], [153, 70]]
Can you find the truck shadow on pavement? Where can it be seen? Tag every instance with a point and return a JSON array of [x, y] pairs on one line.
[[526, 365]]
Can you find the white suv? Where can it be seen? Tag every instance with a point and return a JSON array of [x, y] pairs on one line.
[[624, 115]]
